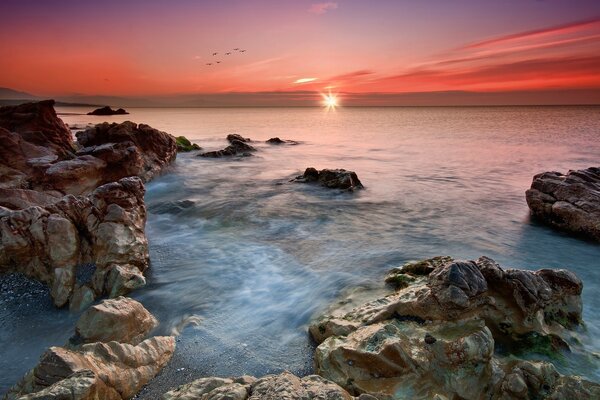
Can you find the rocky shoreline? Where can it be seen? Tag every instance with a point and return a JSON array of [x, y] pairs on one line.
[[72, 216]]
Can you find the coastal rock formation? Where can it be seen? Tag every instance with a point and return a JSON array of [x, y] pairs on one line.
[[184, 144], [284, 386], [234, 137], [238, 147], [107, 111], [122, 320], [128, 149], [569, 202], [52, 243], [276, 140], [436, 335], [331, 178], [123, 369]]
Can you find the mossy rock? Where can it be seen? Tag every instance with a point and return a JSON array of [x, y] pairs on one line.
[[550, 346], [399, 280], [183, 144]]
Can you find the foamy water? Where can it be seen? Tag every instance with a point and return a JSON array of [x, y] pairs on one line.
[[256, 257]]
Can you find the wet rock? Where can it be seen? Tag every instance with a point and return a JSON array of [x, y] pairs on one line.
[[184, 145], [435, 335], [284, 386], [123, 368], [122, 320], [331, 178], [276, 140], [236, 148], [568, 202], [234, 137], [105, 228], [107, 111], [81, 385]]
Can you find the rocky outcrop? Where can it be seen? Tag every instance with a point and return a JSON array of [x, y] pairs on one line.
[[115, 367], [54, 243], [108, 111], [234, 137], [184, 144], [237, 148], [276, 140], [569, 202], [331, 178], [284, 386], [436, 335], [121, 319], [128, 149]]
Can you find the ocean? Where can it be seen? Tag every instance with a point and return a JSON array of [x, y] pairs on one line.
[[256, 257]]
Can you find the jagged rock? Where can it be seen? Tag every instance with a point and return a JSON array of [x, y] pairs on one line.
[[122, 320], [38, 125], [128, 149], [184, 145], [234, 137], [236, 148], [436, 335], [569, 202], [284, 386], [107, 111], [331, 178], [105, 228], [276, 140], [123, 368], [81, 385]]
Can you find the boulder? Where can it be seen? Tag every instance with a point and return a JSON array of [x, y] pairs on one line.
[[234, 137], [121, 319], [51, 242], [107, 111], [568, 202], [123, 369], [276, 140], [184, 144], [331, 178], [236, 148], [284, 386], [435, 335]]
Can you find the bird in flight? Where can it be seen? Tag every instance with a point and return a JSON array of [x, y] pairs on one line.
[[208, 63], [241, 51], [214, 54], [218, 62], [227, 54], [236, 49]]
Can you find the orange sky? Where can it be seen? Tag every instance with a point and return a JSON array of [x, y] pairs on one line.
[[137, 48]]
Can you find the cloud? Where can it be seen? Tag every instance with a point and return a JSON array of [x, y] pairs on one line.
[[305, 80], [322, 8]]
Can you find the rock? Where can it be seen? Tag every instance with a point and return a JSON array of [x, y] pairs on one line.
[[234, 137], [107, 111], [276, 140], [81, 385], [105, 228], [331, 178], [568, 202], [236, 148], [284, 386], [38, 125], [435, 335], [184, 145], [122, 320], [123, 369], [128, 149]]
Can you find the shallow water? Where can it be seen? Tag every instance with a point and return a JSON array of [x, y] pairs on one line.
[[256, 257]]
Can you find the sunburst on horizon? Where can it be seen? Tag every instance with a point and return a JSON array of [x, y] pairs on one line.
[[330, 100]]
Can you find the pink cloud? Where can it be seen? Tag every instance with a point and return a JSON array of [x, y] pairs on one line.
[[322, 8]]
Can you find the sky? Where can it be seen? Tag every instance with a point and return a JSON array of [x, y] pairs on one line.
[[368, 49]]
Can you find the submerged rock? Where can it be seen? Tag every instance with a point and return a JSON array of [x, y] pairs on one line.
[[569, 202], [107, 111], [237, 148], [105, 228], [184, 144], [331, 178], [284, 386], [436, 335], [276, 140]]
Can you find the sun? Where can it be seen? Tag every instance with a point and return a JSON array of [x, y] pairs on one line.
[[330, 101]]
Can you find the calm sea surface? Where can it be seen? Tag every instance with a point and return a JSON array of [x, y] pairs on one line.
[[256, 257]]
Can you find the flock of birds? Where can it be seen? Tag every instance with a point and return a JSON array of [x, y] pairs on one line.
[[227, 54]]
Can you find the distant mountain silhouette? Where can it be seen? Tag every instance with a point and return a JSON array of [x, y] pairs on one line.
[[11, 94]]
